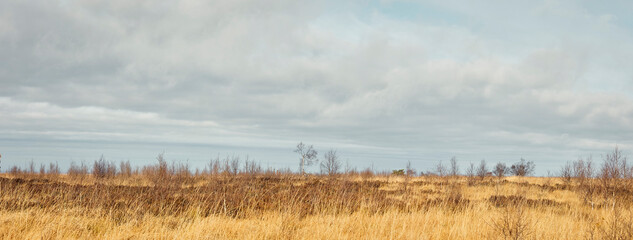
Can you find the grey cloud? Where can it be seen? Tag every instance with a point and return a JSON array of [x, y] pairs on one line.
[[289, 70]]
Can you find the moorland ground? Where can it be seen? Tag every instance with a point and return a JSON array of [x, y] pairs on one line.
[[171, 202]]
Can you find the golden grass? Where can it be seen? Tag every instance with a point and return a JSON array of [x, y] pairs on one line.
[[241, 206]]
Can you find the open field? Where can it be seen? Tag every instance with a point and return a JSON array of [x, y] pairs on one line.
[[163, 203]]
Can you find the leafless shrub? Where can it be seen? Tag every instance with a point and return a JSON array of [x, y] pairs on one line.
[[470, 174], [453, 198], [522, 168], [32, 167], [125, 169], [440, 169], [53, 169], [15, 171], [214, 166], [614, 170], [454, 169], [482, 170], [365, 174], [78, 171], [513, 222], [251, 167], [234, 165], [226, 166], [582, 170], [566, 173], [270, 171], [162, 173], [159, 174], [180, 172], [500, 170], [103, 169], [588, 190]]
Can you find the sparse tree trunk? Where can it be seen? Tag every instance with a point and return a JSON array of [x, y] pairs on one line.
[[302, 164]]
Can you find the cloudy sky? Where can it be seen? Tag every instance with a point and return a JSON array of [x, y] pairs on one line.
[[384, 82]]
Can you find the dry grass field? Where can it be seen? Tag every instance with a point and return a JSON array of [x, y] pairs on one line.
[[170, 202]]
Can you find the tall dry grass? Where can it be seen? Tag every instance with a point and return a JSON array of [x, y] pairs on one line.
[[237, 199]]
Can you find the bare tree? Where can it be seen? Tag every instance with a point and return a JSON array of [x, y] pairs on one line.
[[500, 170], [331, 164], [482, 170], [614, 168], [454, 168], [308, 155], [522, 168], [614, 165]]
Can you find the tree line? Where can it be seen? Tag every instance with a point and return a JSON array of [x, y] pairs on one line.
[[331, 165], [614, 166]]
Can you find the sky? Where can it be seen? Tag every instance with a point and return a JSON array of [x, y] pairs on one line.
[[383, 82]]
